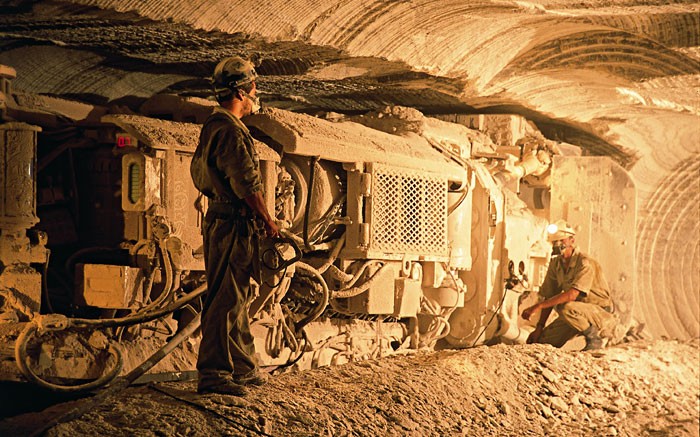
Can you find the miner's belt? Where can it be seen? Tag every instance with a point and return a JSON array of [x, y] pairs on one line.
[[229, 209]]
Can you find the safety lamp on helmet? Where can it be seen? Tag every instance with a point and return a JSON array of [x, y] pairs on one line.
[[559, 230], [552, 228]]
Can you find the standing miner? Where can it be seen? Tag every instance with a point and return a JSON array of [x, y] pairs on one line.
[[225, 168], [575, 285]]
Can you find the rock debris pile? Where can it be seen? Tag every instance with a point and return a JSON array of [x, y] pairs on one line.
[[639, 388]]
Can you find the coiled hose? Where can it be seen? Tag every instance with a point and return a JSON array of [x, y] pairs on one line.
[[57, 322], [22, 359]]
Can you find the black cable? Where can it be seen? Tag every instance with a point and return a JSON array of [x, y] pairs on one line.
[[71, 262], [321, 228], [45, 283], [312, 174], [274, 268], [216, 413], [458, 203], [503, 299], [301, 354], [281, 279]]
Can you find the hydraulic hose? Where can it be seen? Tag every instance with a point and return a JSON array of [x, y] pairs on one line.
[[163, 351], [503, 299], [168, 288], [300, 241], [338, 274], [318, 310], [457, 204], [57, 322], [439, 329], [134, 250], [359, 273], [451, 155], [334, 254], [140, 317], [355, 291], [63, 322]]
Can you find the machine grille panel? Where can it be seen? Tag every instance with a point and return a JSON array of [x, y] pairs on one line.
[[409, 212]]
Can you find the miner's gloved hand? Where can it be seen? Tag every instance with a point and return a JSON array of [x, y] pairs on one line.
[[534, 336]]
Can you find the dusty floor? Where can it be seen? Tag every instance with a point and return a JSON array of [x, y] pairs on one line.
[[639, 388]]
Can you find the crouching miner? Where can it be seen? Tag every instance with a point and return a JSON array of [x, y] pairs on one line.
[[575, 286], [225, 168]]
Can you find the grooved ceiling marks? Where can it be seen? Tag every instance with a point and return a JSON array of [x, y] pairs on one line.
[[620, 53]]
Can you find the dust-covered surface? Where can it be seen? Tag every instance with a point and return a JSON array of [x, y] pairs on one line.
[[639, 388], [159, 133], [345, 142]]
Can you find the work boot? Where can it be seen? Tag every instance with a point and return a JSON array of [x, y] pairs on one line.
[[612, 329], [254, 377], [593, 340], [222, 387]]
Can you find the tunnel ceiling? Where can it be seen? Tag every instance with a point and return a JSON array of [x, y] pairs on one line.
[[618, 78]]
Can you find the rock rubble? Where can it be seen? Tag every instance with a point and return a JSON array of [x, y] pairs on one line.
[[639, 388]]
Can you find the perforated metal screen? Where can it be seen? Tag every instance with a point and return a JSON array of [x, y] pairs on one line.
[[408, 212]]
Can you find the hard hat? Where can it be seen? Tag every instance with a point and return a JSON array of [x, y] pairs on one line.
[[232, 73], [559, 230]]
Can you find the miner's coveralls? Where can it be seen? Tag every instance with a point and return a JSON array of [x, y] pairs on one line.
[[592, 307], [226, 169]]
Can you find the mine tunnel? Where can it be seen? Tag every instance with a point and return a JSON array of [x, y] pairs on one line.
[[413, 151]]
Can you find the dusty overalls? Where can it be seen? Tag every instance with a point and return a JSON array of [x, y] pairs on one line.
[[593, 306], [227, 345], [225, 168]]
